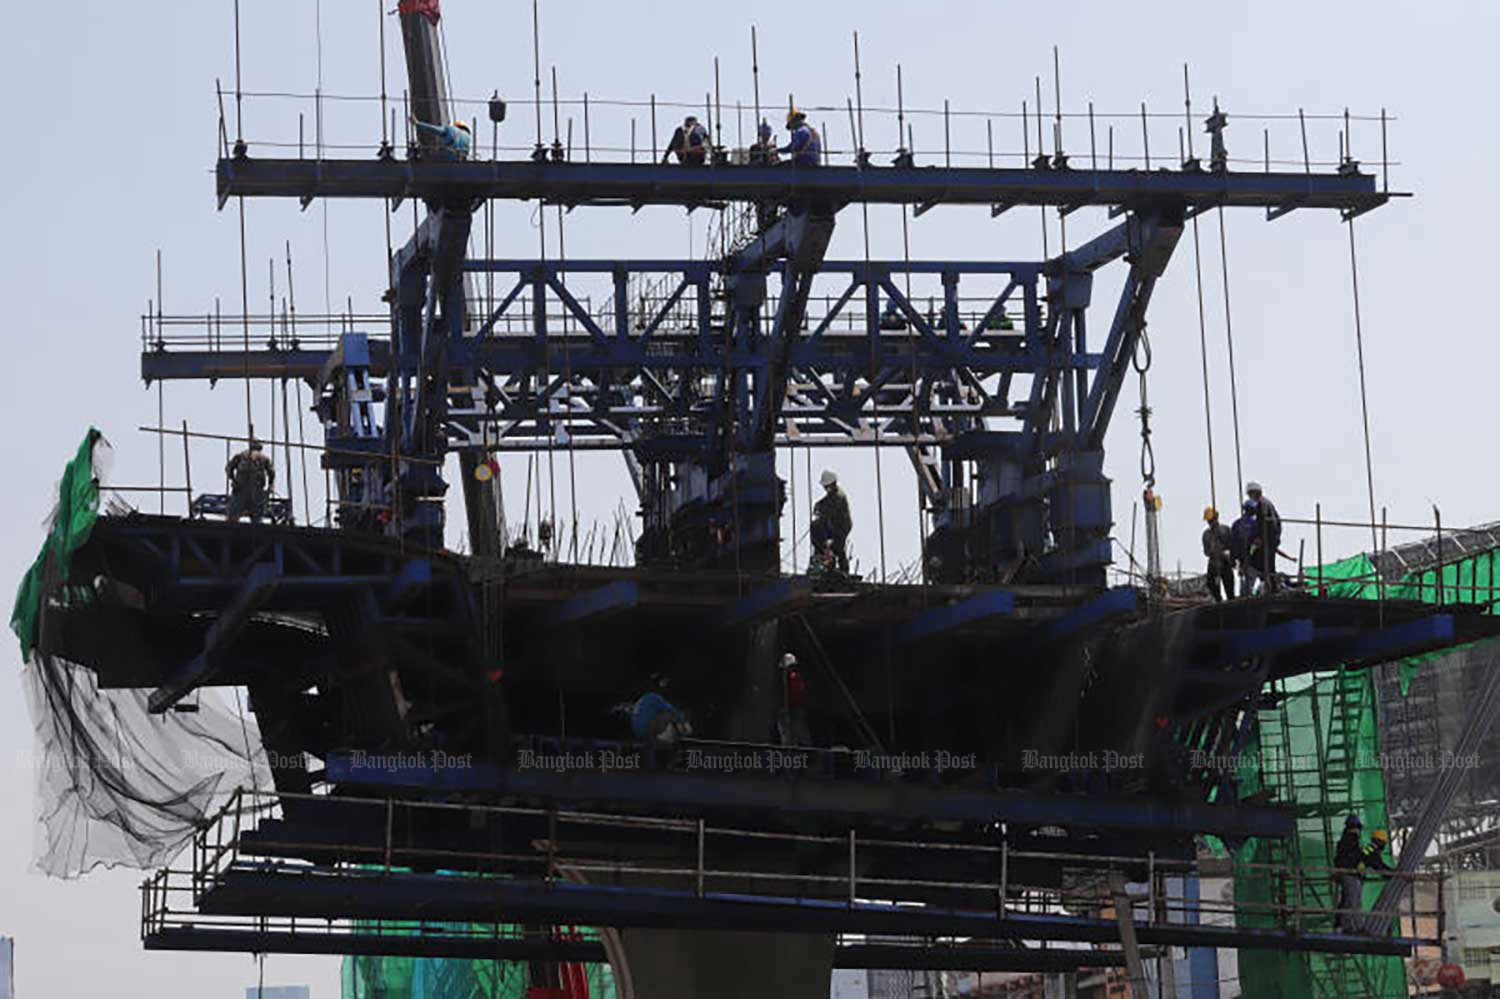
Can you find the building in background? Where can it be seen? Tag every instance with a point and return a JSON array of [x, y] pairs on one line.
[[278, 992]]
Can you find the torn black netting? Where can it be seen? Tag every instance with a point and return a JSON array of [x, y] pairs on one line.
[[115, 784]]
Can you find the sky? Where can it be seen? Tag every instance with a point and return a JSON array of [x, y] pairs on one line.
[[114, 162]]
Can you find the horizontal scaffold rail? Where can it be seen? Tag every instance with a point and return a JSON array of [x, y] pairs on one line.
[[639, 184]]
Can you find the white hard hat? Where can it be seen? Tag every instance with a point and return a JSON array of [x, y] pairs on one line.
[[788, 661], [1253, 487], [827, 478]]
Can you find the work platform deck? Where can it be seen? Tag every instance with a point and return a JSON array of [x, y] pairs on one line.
[[640, 184]]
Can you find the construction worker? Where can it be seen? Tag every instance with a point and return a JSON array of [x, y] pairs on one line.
[[1216, 548], [831, 524], [1241, 534], [656, 720], [251, 476], [806, 146], [453, 141], [1347, 857], [791, 719], [689, 142], [1267, 535], [764, 149]]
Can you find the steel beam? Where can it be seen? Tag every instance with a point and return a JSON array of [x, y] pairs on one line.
[[636, 184], [870, 801], [254, 591], [992, 603], [246, 891], [607, 599], [1118, 602]]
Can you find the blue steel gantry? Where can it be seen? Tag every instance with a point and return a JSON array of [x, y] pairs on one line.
[[1000, 388]]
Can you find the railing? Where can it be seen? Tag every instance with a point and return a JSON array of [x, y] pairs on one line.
[[579, 846], [593, 130]]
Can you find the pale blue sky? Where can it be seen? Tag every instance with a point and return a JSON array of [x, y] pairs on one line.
[[112, 156]]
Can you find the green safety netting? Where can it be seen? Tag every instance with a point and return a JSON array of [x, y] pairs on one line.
[[374, 977], [1318, 750], [71, 522]]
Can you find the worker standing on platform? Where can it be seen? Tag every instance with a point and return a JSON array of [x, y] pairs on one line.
[[1240, 537], [251, 476], [791, 718], [689, 142], [831, 523], [453, 141], [1216, 547], [764, 151], [806, 146], [1347, 857], [1267, 535]]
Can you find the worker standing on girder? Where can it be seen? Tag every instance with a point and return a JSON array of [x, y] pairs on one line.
[[831, 524], [689, 142], [1267, 535], [1241, 534], [453, 142], [1216, 548], [806, 146], [251, 476]]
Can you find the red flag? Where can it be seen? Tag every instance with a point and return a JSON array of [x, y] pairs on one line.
[[427, 8]]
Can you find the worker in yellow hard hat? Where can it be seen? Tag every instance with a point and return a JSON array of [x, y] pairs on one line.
[[1216, 549], [806, 145], [451, 142]]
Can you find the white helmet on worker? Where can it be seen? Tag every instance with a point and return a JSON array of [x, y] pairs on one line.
[[788, 661], [828, 478], [1252, 488]]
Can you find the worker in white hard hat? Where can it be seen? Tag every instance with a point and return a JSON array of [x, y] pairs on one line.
[[1267, 537], [831, 524]]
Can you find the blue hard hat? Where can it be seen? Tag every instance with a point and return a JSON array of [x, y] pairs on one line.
[[765, 128], [1250, 504], [1353, 822]]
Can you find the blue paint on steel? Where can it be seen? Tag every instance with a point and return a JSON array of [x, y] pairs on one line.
[[1400, 640], [993, 603], [813, 797], [1247, 644], [637, 184], [1117, 602], [764, 601], [601, 600]]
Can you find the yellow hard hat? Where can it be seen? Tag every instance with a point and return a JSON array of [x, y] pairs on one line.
[[1209, 513], [461, 124], [792, 117], [1380, 836]]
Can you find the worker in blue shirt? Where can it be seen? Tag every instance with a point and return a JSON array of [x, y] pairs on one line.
[[806, 147], [453, 141]]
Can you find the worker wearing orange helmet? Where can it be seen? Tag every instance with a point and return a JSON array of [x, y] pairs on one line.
[[1216, 548]]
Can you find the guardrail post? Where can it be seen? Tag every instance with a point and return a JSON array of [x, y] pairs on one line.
[[390, 821], [700, 858], [1004, 874], [853, 876]]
